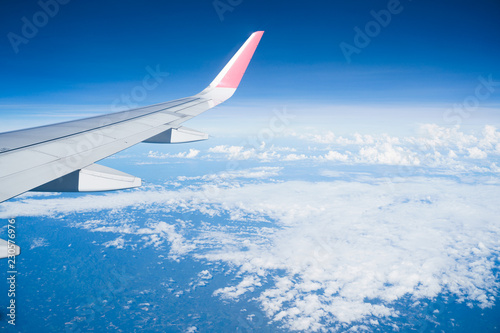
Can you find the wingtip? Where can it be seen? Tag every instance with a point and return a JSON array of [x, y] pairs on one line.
[[228, 80], [258, 34], [237, 67]]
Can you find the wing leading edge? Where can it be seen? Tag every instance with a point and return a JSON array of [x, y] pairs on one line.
[[62, 157]]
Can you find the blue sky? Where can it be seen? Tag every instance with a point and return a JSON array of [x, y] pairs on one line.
[[91, 52]]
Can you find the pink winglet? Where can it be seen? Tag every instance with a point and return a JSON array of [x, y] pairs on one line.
[[235, 73]]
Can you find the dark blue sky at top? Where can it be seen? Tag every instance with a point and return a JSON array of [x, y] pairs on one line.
[[92, 51]]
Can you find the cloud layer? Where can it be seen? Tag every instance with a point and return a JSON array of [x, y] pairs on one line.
[[449, 149], [315, 255]]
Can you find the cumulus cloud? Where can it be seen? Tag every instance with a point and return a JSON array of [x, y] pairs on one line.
[[153, 234], [448, 148], [38, 242], [388, 154], [247, 284], [243, 153], [118, 243], [335, 156], [252, 173], [476, 153], [192, 153], [433, 146], [295, 157]]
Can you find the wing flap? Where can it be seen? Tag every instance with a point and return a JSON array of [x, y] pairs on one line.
[[178, 135], [93, 178]]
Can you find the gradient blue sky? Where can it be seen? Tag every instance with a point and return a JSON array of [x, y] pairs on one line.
[[91, 52]]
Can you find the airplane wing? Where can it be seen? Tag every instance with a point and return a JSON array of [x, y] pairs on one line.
[[62, 157]]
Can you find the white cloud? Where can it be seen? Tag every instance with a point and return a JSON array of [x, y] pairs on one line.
[[476, 153], [434, 146], [233, 152], [432, 135], [335, 156], [494, 167], [38, 242], [388, 154], [247, 284], [252, 173], [242, 153], [295, 157], [340, 253], [118, 243], [178, 244], [192, 153], [447, 148], [154, 234], [205, 275], [329, 137]]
